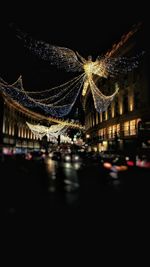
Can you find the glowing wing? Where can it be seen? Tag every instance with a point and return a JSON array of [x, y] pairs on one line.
[[62, 57], [120, 65]]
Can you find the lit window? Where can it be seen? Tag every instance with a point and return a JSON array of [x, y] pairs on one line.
[[126, 128], [132, 127], [110, 132]]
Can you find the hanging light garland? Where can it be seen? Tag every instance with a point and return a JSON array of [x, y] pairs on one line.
[[58, 105], [39, 117]]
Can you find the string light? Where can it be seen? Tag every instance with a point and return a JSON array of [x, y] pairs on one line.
[[60, 107], [101, 102], [39, 117]]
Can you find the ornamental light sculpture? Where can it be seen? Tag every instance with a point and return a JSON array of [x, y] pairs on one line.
[[58, 101]]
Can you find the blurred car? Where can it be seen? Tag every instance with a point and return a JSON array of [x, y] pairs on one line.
[[115, 165], [108, 154], [76, 158], [130, 160], [143, 161], [140, 158], [71, 157], [55, 155], [35, 155]]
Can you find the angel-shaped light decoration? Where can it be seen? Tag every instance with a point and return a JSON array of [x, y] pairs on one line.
[[53, 131], [58, 101]]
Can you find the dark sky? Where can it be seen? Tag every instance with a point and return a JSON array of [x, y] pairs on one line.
[[90, 29]]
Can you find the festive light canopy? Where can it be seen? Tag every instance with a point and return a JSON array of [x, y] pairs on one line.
[[58, 101]]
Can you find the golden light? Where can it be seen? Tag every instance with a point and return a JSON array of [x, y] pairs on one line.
[[113, 111], [120, 109], [131, 106]]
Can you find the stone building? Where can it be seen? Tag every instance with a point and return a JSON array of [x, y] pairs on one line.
[[126, 123]]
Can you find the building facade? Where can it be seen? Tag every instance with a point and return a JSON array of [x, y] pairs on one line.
[[16, 137], [125, 124]]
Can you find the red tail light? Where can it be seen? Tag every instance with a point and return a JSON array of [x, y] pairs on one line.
[[130, 163]]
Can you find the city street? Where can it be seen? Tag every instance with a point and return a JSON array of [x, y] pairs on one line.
[[74, 132], [43, 188]]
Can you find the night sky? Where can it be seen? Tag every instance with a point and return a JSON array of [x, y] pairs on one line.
[[90, 29]]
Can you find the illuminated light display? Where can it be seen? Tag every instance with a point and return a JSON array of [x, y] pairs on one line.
[[58, 101], [41, 130], [66, 58]]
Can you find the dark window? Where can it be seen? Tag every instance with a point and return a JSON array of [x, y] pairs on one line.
[[116, 107], [125, 103], [136, 100]]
